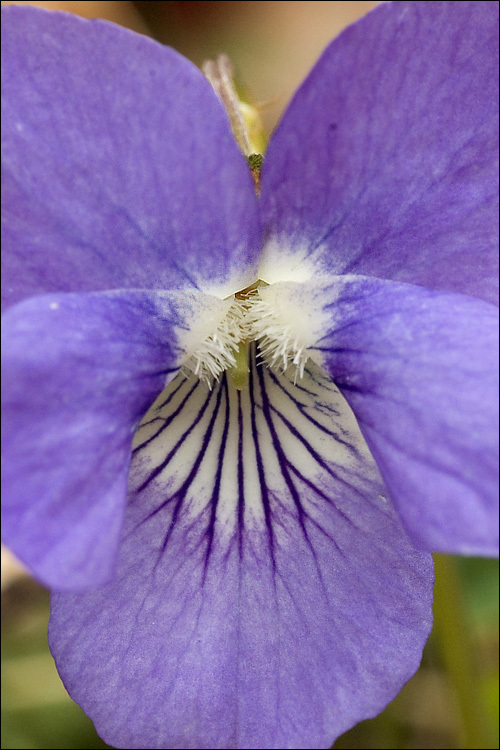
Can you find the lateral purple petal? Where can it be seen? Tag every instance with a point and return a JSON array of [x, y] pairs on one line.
[[119, 169], [420, 371], [78, 374], [386, 162], [267, 595]]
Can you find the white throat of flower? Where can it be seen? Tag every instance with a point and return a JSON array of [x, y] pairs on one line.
[[253, 316]]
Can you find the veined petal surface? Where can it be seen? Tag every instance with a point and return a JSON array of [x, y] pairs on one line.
[[420, 371], [78, 373], [119, 168], [266, 596], [386, 162]]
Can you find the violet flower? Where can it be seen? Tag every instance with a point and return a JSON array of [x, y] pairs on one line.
[[267, 582]]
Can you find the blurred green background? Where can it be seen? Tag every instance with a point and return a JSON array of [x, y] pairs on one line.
[[452, 701]]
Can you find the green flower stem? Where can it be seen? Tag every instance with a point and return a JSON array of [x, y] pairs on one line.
[[454, 639], [220, 74], [244, 118]]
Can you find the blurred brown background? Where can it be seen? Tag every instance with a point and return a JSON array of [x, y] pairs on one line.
[[273, 45]]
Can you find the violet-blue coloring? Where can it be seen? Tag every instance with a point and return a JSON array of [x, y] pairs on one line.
[[247, 567]]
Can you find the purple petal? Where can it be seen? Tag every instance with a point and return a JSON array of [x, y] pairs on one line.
[[386, 162], [119, 168], [78, 374], [420, 371], [266, 596]]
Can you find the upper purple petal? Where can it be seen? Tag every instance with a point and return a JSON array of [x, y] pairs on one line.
[[386, 162], [420, 371], [78, 373], [267, 595], [119, 168]]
